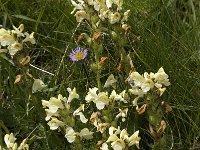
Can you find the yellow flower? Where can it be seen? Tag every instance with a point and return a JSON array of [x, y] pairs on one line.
[[78, 112], [104, 146], [110, 81], [102, 100], [119, 3], [9, 139], [81, 108], [29, 38], [113, 130], [161, 78], [38, 85], [6, 38], [119, 143], [81, 15], [14, 48], [118, 97], [70, 135], [114, 17], [78, 6], [99, 4], [86, 134], [123, 114], [90, 2], [53, 105], [137, 78], [50, 114], [23, 145], [134, 139], [18, 31], [145, 83], [109, 3], [54, 123], [126, 15], [72, 95], [104, 13], [91, 95]]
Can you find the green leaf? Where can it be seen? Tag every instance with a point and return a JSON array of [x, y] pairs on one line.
[[29, 19]]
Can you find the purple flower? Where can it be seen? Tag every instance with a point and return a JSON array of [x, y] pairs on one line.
[[78, 54]]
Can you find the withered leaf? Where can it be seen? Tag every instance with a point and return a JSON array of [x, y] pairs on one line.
[[18, 78], [96, 35], [25, 60], [103, 60], [142, 109]]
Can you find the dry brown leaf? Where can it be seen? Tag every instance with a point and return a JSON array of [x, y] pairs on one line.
[[142, 109], [25, 60], [81, 37], [153, 132], [162, 127], [96, 35], [168, 108], [161, 91], [99, 143], [30, 75], [18, 78], [3, 50], [103, 60], [119, 67]]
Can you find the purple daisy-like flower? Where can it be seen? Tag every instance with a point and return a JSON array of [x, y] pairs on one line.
[[78, 54]]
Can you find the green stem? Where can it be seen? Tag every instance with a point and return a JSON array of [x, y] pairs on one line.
[[33, 139], [2, 125], [86, 73], [98, 80], [98, 72]]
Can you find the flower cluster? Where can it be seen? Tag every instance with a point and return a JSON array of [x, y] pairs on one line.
[[110, 105], [55, 106], [142, 84], [102, 99], [13, 40], [104, 102], [95, 119], [83, 134], [10, 139], [60, 115], [38, 85], [106, 10], [121, 142]]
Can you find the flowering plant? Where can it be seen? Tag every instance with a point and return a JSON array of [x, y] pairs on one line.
[[109, 108], [10, 139], [13, 40], [104, 115]]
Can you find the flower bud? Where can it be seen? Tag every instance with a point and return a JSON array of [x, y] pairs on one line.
[[95, 67], [106, 118], [153, 120], [113, 123], [114, 35], [71, 121]]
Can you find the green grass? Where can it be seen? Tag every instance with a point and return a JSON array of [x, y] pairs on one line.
[[163, 33]]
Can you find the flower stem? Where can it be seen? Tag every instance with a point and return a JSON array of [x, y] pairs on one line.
[[2, 125], [98, 72]]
